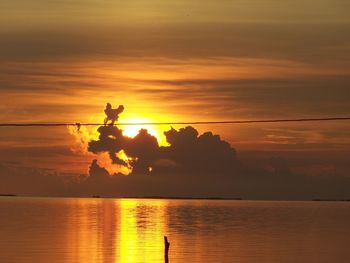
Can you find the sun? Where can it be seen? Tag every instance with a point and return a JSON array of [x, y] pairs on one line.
[[132, 130]]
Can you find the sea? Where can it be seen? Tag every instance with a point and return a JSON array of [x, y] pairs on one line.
[[68, 230]]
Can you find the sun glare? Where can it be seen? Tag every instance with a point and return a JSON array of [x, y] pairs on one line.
[[133, 130]]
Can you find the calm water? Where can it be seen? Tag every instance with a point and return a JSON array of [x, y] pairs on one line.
[[131, 230]]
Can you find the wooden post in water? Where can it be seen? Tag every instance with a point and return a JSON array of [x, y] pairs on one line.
[[166, 249]]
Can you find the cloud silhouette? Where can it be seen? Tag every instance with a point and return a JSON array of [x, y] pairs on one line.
[[142, 150], [196, 164], [245, 182], [110, 140], [188, 152], [192, 165], [199, 154]]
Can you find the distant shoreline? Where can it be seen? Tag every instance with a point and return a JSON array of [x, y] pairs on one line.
[[180, 198], [184, 198], [171, 197], [330, 200]]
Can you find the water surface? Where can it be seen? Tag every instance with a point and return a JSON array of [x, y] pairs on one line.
[[131, 230]]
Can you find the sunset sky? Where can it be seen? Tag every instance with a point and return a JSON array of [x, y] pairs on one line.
[[62, 61]]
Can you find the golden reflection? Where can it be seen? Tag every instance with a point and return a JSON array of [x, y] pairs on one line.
[[116, 230], [83, 240], [142, 227], [128, 232]]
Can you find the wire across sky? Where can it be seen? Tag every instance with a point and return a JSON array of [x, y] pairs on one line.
[[177, 123]]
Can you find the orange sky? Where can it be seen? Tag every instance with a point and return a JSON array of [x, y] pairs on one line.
[[177, 61]]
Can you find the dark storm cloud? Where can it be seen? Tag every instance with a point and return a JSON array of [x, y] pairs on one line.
[[192, 165], [202, 154], [201, 165], [143, 149], [189, 151]]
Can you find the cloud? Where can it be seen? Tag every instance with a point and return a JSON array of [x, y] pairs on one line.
[[182, 169], [307, 42], [226, 87], [188, 152], [196, 164], [21, 180], [142, 150], [202, 165], [199, 154]]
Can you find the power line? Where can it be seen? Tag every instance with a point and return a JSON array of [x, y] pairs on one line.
[[176, 123]]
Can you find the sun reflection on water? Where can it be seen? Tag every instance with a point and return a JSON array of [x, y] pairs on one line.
[[141, 231], [117, 230], [70, 230]]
